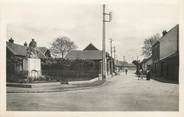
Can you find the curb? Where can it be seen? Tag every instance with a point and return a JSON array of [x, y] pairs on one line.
[[49, 84], [93, 84]]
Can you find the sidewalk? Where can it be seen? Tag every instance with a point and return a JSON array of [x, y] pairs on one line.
[[54, 86]]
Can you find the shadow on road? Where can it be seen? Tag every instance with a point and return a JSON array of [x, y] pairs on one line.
[[164, 80]]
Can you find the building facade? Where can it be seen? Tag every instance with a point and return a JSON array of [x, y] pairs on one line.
[[156, 58], [165, 55]]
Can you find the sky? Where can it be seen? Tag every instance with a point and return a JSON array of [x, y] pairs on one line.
[[132, 22]]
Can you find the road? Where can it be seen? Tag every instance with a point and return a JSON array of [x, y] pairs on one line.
[[120, 93]]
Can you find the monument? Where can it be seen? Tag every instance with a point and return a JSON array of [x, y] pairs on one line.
[[32, 63]]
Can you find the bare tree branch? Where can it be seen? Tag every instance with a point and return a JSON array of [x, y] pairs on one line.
[[61, 46], [147, 48]]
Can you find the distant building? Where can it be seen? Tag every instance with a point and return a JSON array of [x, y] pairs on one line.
[[165, 55], [131, 66], [121, 65], [90, 53], [19, 60]]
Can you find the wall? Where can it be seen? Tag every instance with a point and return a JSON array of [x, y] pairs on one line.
[[170, 67], [155, 59], [168, 44], [156, 52]]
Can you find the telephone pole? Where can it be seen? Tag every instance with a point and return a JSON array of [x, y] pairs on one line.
[[111, 65], [124, 63], [104, 68], [114, 48]]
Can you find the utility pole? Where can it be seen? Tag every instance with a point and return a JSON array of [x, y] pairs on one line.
[[104, 68], [114, 48], [123, 63], [111, 64]]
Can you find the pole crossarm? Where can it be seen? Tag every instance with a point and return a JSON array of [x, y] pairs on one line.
[[110, 17]]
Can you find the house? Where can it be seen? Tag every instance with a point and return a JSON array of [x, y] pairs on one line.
[[90, 53], [23, 59], [146, 63], [165, 55]]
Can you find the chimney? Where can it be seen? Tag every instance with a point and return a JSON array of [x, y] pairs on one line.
[[11, 40], [164, 32], [25, 44]]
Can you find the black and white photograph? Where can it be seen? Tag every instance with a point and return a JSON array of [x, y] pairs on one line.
[[102, 56]]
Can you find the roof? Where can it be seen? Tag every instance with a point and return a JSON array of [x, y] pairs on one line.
[[42, 49], [40, 54], [90, 47], [146, 59], [155, 43], [20, 50], [84, 55], [175, 27], [16, 49]]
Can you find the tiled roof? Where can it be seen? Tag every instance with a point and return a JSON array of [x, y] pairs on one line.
[[84, 55], [146, 59], [40, 54], [20, 50]]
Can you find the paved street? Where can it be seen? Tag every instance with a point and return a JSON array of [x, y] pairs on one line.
[[121, 93]]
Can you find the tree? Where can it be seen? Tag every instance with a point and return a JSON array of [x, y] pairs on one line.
[[147, 48], [61, 46]]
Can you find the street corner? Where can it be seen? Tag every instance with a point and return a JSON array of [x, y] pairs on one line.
[[53, 87]]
